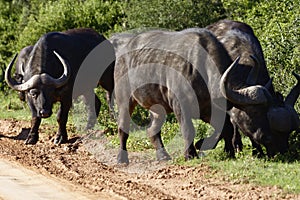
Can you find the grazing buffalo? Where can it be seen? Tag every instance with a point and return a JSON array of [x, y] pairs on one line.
[[48, 71], [189, 73], [270, 119]]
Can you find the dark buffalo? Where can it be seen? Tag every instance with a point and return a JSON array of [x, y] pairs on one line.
[[49, 72], [189, 73], [270, 120]]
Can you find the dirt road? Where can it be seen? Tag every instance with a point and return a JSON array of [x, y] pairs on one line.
[[18, 182], [88, 171]]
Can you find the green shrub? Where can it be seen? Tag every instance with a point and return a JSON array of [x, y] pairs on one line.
[[102, 16], [8, 30], [172, 14]]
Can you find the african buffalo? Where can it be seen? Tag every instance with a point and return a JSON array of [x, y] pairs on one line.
[[187, 73], [268, 122], [50, 72]]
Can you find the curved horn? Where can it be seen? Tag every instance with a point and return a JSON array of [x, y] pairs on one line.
[[13, 83], [253, 75], [59, 82], [256, 94], [294, 93], [34, 80]]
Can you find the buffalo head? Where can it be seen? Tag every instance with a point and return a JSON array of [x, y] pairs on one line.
[[39, 88], [266, 118], [256, 109]]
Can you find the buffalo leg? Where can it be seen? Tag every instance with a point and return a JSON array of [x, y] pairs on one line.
[[188, 131], [229, 134], [97, 105], [110, 104], [123, 129], [93, 105], [33, 136], [237, 140], [257, 150], [226, 131], [154, 132], [62, 119]]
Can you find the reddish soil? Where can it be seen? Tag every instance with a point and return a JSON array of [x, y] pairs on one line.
[[89, 165]]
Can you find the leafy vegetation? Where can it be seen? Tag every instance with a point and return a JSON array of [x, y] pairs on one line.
[[276, 23], [174, 15]]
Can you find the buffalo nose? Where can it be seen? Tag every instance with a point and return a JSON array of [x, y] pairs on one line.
[[45, 113]]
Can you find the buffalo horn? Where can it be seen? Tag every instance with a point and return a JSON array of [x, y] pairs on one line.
[[294, 93], [48, 80], [251, 95], [36, 79], [13, 83]]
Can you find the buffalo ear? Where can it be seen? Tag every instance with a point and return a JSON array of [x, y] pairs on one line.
[[292, 97]]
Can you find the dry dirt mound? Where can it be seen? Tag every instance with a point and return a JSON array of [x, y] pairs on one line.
[[73, 163]]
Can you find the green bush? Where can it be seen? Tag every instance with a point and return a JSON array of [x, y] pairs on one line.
[[103, 16], [8, 30], [172, 14], [22, 23]]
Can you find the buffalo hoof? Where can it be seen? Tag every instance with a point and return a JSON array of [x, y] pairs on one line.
[[191, 153], [230, 151], [32, 139], [60, 139], [161, 154], [123, 157]]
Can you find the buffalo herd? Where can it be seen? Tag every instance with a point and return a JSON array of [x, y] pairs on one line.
[[217, 74]]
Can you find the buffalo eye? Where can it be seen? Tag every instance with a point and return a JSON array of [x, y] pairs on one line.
[[33, 93]]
